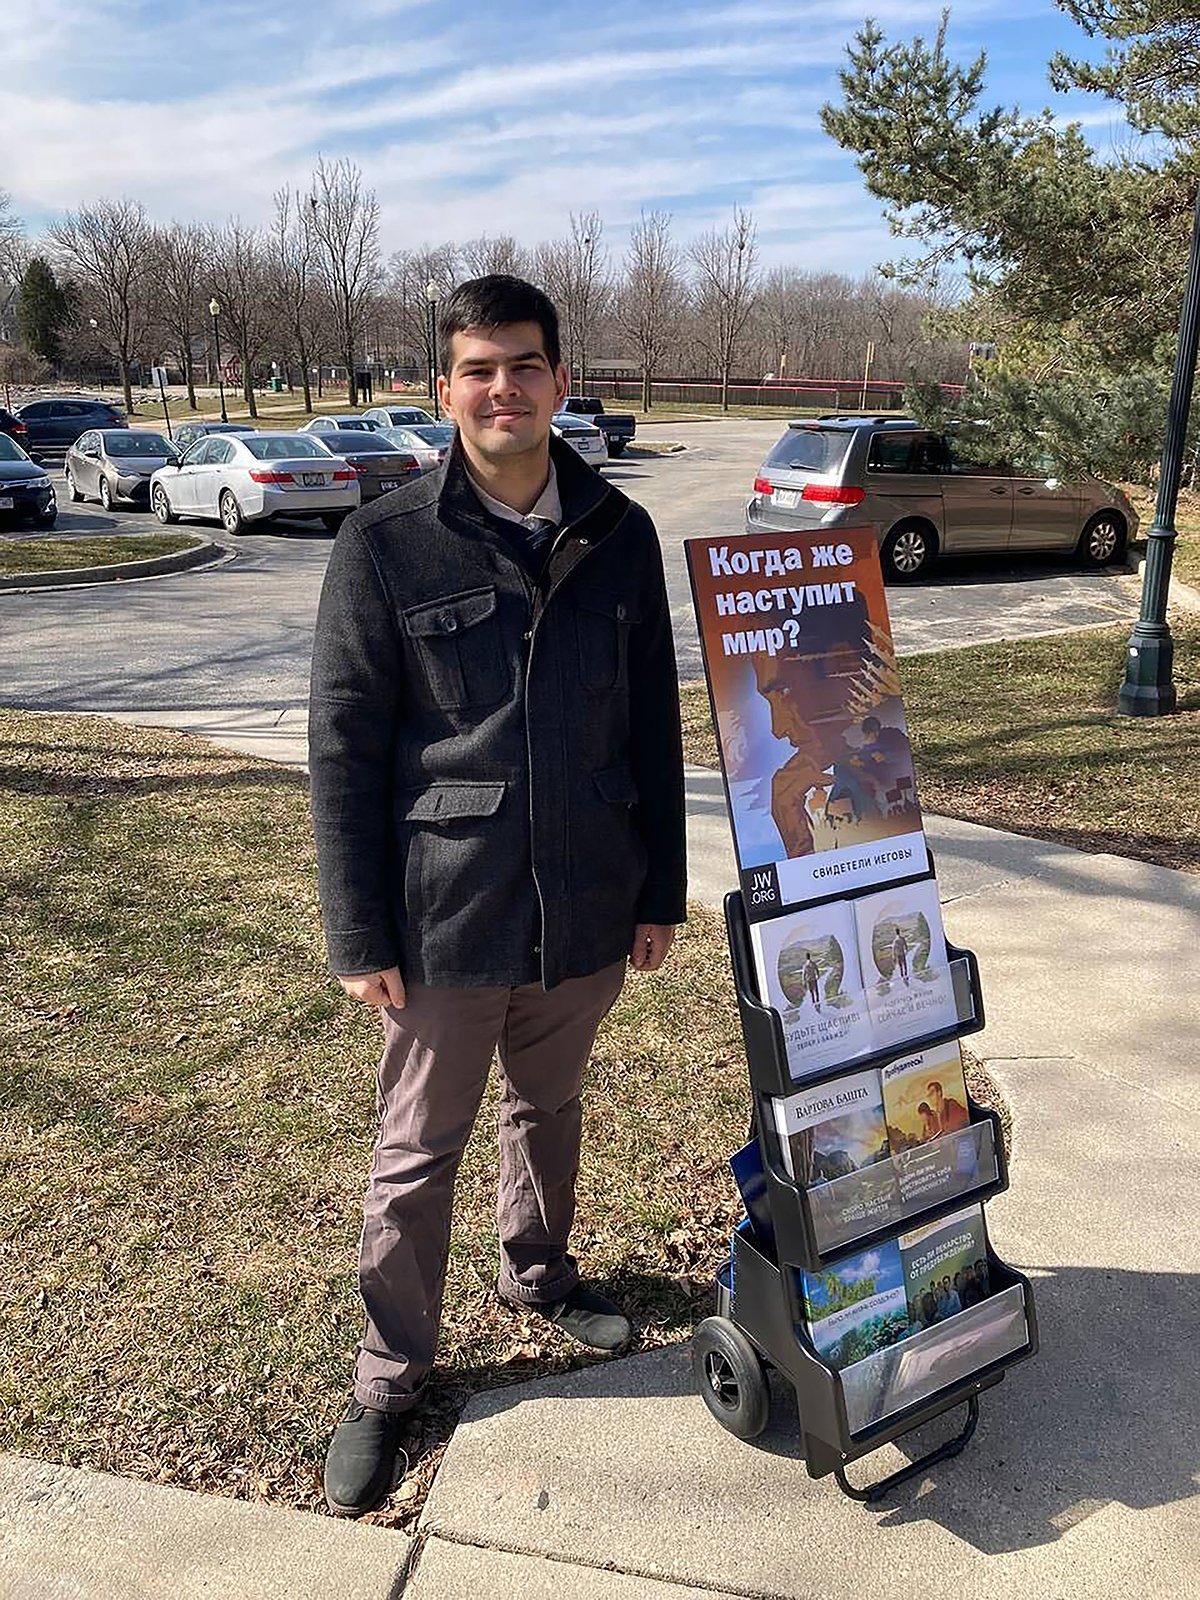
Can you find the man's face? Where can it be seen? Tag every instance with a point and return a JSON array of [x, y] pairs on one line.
[[935, 1094], [807, 696], [501, 390]]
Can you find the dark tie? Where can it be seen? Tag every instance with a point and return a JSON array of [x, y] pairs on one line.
[[539, 531]]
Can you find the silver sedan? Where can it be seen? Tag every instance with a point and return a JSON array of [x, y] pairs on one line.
[[254, 477], [111, 464], [429, 444]]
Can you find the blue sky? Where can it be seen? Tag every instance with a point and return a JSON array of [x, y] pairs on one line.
[[472, 118]]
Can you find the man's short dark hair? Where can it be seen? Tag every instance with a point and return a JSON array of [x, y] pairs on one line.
[[492, 302]]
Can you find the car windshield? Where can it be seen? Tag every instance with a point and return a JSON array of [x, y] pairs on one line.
[[811, 449], [363, 444], [10, 451], [353, 425], [137, 444], [436, 433], [277, 447], [407, 414]]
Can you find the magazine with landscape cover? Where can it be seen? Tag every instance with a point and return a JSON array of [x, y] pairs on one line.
[[904, 964], [834, 1141], [857, 1307], [810, 725], [937, 1151], [806, 965]]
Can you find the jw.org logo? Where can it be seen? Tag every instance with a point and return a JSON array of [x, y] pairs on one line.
[[761, 887]]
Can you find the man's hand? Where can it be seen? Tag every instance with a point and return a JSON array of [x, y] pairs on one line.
[[376, 988], [651, 941]]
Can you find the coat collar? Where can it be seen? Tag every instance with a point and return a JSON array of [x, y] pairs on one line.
[[581, 489]]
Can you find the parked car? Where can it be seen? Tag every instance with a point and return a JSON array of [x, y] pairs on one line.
[[58, 423], [429, 444], [13, 426], [191, 431], [586, 441], [241, 478], [380, 466], [400, 416], [618, 427], [931, 495], [26, 492], [349, 423], [111, 464]]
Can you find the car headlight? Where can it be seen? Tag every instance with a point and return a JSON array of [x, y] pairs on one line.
[[41, 483]]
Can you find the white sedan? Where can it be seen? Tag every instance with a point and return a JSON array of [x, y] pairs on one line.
[[429, 444], [252, 477], [585, 439]]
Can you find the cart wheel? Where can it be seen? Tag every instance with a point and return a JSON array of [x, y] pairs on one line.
[[730, 1377]]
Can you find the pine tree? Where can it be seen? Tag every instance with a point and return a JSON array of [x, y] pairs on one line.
[[43, 310]]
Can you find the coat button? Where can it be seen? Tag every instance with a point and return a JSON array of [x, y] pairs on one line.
[[583, 541], [447, 622], [621, 613]]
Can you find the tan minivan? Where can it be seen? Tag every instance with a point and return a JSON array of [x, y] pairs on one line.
[[928, 498]]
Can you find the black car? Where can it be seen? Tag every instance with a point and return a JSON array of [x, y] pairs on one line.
[[13, 426], [58, 423], [26, 493]]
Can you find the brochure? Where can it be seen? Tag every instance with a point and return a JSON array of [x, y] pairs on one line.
[[801, 667], [936, 1149], [807, 968], [945, 1267], [905, 969], [858, 1307], [747, 1168], [835, 1144]]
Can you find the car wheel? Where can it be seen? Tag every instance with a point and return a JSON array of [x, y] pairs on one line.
[[334, 519], [616, 447], [162, 506], [73, 494], [106, 494], [729, 1375], [1103, 540], [908, 551], [232, 519]]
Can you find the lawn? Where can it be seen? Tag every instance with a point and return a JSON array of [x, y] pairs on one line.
[[61, 555], [1025, 736], [187, 1116], [1186, 563]]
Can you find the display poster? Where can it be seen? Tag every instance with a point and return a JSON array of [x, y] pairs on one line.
[[814, 746]]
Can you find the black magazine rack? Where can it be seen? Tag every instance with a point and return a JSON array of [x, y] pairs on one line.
[[847, 1414]]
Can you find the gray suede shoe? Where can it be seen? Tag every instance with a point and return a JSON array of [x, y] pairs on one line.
[[585, 1316], [360, 1464]]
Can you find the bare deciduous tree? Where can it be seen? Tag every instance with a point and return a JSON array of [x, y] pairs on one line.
[[653, 295], [108, 246], [726, 263], [409, 276], [177, 273], [12, 240], [240, 276], [345, 218], [502, 254], [574, 273], [297, 296]]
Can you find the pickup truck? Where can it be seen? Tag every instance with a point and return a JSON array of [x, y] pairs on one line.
[[618, 428]]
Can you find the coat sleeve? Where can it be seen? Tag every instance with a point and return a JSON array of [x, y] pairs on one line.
[[353, 706], [656, 747]]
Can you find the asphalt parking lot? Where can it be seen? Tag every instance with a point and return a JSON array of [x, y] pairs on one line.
[[229, 646]]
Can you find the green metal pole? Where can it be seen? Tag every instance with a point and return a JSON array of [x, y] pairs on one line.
[[1149, 688]]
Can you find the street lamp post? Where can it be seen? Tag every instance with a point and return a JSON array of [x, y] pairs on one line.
[[214, 311], [432, 295], [1149, 688]]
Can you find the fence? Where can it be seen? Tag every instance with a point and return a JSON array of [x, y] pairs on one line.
[[833, 394]]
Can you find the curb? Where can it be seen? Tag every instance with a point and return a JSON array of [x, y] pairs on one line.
[[204, 554], [1180, 594]]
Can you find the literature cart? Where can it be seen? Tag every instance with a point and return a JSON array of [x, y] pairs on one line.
[[863, 1272], [845, 1415]]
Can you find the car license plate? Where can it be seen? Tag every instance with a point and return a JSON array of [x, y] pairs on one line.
[[387, 483], [314, 480], [6, 502], [786, 497]]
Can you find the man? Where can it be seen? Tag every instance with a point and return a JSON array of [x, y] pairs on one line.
[[951, 1114], [497, 790], [900, 954]]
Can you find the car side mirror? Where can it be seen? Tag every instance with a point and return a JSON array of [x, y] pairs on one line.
[[1054, 483], [35, 458]]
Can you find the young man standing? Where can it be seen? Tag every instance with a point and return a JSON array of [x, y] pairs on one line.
[[497, 792]]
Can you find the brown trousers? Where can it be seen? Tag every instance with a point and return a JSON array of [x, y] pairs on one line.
[[432, 1075]]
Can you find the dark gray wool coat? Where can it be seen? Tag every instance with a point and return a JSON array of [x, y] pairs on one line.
[[497, 777]]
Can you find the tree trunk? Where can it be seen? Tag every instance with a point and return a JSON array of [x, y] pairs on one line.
[[127, 385], [189, 377], [645, 388], [308, 405], [351, 384], [725, 387], [248, 383]]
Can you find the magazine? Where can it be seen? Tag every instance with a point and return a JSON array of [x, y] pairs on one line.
[[857, 1307], [936, 1149], [904, 964], [807, 969], [810, 724], [945, 1267], [835, 1144]]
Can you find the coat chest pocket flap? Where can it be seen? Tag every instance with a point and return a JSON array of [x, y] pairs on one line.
[[603, 621], [451, 802], [458, 642]]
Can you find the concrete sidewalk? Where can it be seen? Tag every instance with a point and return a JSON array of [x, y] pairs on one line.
[[613, 1483]]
